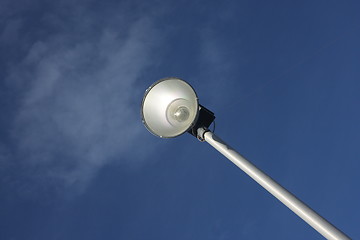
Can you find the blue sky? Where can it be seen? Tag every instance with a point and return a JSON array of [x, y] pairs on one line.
[[282, 77]]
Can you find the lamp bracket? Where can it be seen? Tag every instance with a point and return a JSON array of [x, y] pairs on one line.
[[206, 117]]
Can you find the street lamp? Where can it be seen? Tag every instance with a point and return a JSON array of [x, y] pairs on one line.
[[170, 108]]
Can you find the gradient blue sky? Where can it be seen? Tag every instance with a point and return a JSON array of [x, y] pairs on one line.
[[283, 78]]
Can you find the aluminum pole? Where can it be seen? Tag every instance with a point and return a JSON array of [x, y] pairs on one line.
[[301, 209]]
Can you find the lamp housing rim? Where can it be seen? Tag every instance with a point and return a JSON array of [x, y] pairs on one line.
[[145, 95]]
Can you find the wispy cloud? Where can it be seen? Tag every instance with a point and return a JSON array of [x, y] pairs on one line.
[[217, 61], [77, 110]]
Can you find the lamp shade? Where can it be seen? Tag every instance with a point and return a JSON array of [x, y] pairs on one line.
[[169, 107]]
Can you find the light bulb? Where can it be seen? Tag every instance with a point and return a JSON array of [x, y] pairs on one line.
[[181, 114]]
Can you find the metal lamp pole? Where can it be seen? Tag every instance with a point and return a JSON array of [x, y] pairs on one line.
[[170, 108], [301, 209]]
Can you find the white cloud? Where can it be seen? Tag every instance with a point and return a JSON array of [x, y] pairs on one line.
[[218, 66], [77, 109]]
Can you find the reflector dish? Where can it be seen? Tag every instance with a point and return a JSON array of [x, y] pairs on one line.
[[169, 107]]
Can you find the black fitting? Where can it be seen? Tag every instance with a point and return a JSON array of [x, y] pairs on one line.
[[206, 117]]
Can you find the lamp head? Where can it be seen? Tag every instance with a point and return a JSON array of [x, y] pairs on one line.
[[169, 108]]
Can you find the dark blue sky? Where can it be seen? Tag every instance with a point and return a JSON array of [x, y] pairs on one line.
[[282, 77]]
